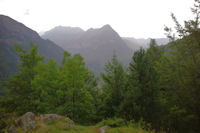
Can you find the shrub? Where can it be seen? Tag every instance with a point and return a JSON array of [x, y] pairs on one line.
[[6, 119], [112, 122]]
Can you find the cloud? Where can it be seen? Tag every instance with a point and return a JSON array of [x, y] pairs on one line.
[[27, 12], [138, 18]]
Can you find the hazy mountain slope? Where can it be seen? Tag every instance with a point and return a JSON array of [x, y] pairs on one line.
[[63, 35], [12, 32], [95, 45], [134, 43]]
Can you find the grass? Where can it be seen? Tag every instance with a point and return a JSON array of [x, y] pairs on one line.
[[60, 127], [126, 130], [55, 129]]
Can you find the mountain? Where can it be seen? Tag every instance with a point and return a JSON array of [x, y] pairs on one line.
[[135, 44], [12, 32], [63, 35], [97, 46]]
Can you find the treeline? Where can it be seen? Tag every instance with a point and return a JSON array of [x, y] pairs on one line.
[[161, 86], [67, 89]]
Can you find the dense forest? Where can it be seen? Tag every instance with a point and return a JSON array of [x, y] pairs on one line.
[[160, 86]]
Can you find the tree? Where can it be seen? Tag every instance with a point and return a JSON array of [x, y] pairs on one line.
[[142, 98], [180, 75], [21, 94], [131, 109], [67, 90], [114, 80], [76, 84], [46, 86]]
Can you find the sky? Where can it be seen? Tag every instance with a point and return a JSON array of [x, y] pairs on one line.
[[130, 18]]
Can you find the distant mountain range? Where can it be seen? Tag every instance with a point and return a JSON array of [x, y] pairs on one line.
[[97, 45], [141, 42], [12, 32]]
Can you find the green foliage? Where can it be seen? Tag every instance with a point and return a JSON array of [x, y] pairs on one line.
[[126, 130], [113, 87], [3, 118], [20, 96], [143, 96], [77, 81], [163, 88], [160, 89], [45, 84], [179, 76], [6, 118], [60, 127], [112, 122], [69, 89]]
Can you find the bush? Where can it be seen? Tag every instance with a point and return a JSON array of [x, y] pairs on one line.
[[6, 119], [2, 125], [141, 124], [3, 122], [112, 122]]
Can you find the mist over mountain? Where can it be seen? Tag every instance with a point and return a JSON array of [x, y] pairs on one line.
[[135, 43], [12, 32], [63, 35], [97, 46]]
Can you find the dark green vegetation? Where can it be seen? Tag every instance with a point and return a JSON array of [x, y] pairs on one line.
[[160, 88]]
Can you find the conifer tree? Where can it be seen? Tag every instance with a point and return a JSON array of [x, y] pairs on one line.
[[21, 94], [113, 86]]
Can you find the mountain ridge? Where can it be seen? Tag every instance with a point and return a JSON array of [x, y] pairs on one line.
[[96, 45], [11, 32]]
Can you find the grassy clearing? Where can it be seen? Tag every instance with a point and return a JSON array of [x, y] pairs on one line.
[[85, 129], [56, 128], [126, 130], [60, 127]]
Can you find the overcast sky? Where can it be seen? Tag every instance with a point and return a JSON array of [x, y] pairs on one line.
[[130, 18]]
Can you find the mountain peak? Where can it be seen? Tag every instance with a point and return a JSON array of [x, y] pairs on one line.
[[4, 17], [10, 27], [96, 45], [107, 27], [66, 29]]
